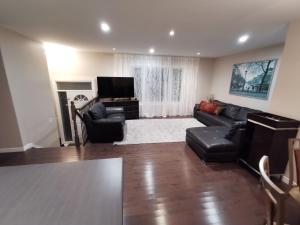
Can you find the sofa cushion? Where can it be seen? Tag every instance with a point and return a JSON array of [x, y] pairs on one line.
[[231, 111], [237, 125], [225, 121], [213, 120], [211, 139], [97, 111], [242, 115], [219, 110]]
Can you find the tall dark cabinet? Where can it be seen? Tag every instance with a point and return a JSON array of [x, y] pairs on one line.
[[268, 134], [131, 107]]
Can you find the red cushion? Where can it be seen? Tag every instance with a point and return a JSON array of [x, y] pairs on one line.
[[202, 104], [208, 107]]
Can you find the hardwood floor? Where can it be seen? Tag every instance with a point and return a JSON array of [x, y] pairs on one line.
[[167, 184]]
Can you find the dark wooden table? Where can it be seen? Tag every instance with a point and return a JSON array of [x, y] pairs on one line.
[[71, 193]]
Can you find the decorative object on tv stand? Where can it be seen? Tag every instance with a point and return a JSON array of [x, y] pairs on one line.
[[253, 79]]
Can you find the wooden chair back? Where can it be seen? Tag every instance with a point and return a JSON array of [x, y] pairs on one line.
[[294, 156], [276, 197]]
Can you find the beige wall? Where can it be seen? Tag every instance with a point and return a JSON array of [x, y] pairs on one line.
[[80, 66], [205, 74], [89, 65], [9, 133], [223, 70], [29, 84], [285, 100], [70, 65]]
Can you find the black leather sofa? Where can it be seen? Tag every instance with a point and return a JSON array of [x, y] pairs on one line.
[[104, 124], [220, 141]]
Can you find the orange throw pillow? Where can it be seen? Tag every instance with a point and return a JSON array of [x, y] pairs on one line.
[[202, 104], [208, 107]]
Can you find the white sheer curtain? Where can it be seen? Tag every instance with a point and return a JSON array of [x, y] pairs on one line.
[[165, 86]]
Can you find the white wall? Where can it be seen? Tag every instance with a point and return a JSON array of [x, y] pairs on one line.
[[29, 84], [222, 72]]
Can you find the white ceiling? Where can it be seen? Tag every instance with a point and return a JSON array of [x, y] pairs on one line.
[[210, 26]]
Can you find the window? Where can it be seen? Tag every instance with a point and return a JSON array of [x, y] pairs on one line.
[[157, 84], [80, 98]]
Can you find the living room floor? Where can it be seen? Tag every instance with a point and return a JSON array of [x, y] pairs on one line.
[[167, 184]]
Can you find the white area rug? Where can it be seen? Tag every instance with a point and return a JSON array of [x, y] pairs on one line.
[[157, 130]]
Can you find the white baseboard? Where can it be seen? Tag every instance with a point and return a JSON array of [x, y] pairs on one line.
[[20, 149], [16, 149], [31, 145]]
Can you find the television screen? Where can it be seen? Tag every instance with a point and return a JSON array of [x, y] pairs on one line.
[[115, 87]]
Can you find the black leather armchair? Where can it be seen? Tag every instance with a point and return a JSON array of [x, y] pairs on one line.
[[104, 124]]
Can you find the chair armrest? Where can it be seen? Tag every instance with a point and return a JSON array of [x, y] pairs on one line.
[[114, 110]]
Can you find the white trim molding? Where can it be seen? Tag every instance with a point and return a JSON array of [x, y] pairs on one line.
[[15, 149], [31, 145], [20, 149]]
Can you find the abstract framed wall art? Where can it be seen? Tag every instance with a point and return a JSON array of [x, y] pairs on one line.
[[253, 79]]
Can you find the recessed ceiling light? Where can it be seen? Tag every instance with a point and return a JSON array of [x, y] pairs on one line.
[[242, 39], [105, 27], [171, 33], [114, 49], [198, 53], [151, 50]]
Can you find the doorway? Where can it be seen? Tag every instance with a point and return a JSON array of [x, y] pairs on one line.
[[78, 92]]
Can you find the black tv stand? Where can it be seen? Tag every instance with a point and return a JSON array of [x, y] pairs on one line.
[[130, 105], [121, 99]]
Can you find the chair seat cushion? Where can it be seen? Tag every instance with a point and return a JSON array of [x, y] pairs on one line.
[[231, 111], [211, 139]]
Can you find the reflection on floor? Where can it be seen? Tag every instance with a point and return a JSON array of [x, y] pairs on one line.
[[167, 184]]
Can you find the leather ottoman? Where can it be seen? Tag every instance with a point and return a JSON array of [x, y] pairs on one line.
[[210, 144]]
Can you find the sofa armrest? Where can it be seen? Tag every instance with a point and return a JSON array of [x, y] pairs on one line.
[[238, 137], [114, 110]]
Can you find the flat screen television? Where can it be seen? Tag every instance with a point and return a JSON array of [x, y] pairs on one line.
[[115, 87]]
